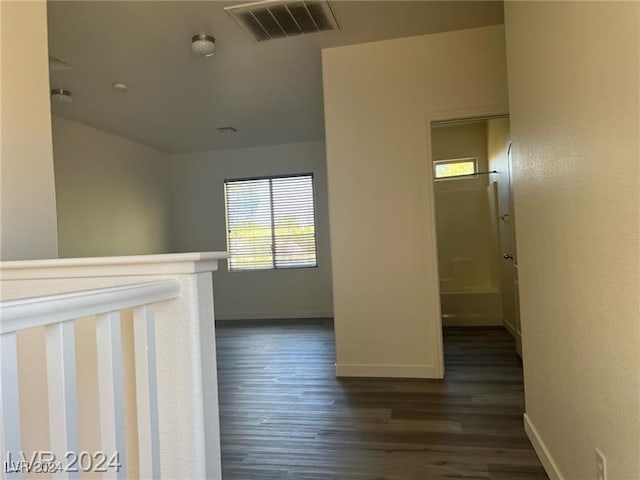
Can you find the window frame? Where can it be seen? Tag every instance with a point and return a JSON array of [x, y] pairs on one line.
[[273, 235], [449, 161]]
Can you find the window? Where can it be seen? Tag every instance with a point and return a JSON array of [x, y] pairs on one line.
[[270, 223], [454, 168]]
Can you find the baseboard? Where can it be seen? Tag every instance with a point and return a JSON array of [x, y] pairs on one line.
[[511, 328], [272, 316], [541, 449], [471, 320], [275, 322], [385, 371]]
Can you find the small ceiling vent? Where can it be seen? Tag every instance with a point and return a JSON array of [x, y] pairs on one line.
[[271, 19]]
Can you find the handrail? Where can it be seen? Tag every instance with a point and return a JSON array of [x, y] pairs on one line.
[[20, 314], [95, 267], [114, 260]]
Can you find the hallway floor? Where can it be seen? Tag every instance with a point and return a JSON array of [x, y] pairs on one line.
[[285, 416]]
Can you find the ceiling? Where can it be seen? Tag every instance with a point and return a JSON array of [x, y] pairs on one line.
[[270, 91]]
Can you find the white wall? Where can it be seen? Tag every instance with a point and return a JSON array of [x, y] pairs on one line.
[[378, 97], [27, 191], [199, 225], [574, 95], [112, 193]]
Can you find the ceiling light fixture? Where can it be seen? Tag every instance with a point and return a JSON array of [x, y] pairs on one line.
[[60, 95], [203, 44], [120, 87]]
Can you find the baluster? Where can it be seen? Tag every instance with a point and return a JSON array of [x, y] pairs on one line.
[[146, 392], [61, 386], [10, 405], [110, 386]]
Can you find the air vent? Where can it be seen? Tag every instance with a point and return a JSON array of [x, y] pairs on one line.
[[271, 19]]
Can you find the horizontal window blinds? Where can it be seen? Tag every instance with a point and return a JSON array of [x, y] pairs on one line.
[[271, 223]]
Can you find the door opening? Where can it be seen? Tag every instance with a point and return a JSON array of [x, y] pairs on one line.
[[475, 226]]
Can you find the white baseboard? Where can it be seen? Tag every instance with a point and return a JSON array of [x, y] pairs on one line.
[[471, 320], [389, 371], [510, 328], [272, 316], [541, 449]]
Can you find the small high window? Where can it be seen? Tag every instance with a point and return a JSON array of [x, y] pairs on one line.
[[457, 167], [270, 223]]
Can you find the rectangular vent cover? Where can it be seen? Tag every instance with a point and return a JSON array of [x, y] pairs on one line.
[[271, 19]]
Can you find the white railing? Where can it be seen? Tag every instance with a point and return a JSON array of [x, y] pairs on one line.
[[175, 369]]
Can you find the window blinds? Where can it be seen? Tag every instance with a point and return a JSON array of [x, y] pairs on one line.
[[271, 223]]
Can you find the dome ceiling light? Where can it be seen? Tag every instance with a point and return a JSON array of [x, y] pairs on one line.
[[203, 44], [120, 87]]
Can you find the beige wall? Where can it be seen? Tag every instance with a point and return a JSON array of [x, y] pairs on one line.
[[378, 97], [27, 191], [199, 225], [498, 137], [112, 193], [465, 230], [573, 87]]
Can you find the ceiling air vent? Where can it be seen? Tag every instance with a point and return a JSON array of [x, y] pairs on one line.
[[272, 19]]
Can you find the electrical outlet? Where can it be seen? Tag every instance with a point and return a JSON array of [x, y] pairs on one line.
[[601, 466]]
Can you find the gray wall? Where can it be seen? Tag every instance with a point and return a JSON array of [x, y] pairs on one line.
[[119, 197], [112, 193], [198, 224]]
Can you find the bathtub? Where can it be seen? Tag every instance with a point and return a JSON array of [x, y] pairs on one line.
[[471, 308]]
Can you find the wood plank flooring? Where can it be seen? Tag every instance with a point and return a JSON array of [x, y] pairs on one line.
[[284, 415]]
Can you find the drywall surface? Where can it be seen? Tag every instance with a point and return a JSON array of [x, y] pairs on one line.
[[574, 96], [465, 229], [197, 181], [27, 189], [498, 137], [378, 97], [112, 193]]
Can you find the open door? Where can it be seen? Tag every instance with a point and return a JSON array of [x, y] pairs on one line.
[[509, 262]]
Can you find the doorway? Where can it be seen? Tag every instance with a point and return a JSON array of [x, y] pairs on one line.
[[475, 225]]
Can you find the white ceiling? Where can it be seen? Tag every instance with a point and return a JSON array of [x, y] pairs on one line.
[[270, 91]]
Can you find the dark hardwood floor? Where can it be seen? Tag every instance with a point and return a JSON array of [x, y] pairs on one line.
[[284, 415]]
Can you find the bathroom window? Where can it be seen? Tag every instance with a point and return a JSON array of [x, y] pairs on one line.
[[457, 167], [270, 223]]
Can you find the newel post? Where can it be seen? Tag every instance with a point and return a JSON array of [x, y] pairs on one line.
[[188, 414]]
